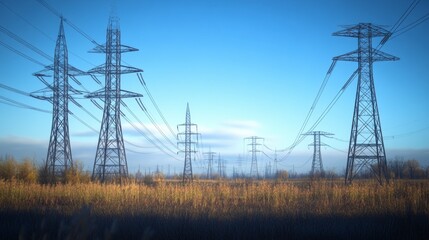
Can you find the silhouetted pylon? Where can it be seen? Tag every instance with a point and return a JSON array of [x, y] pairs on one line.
[[190, 142], [110, 159], [366, 148]]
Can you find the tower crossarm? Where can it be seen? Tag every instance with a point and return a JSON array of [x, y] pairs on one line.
[[103, 49], [356, 31], [377, 55], [122, 70], [103, 94]]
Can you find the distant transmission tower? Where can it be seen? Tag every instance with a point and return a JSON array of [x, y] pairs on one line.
[[254, 165], [59, 158], [110, 160], [366, 147], [219, 166], [317, 165], [210, 156], [189, 143]]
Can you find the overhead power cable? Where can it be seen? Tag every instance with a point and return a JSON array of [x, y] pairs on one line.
[[324, 113], [21, 105], [21, 54], [14, 90], [164, 148], [334, 100], [313, 106], [25, 43], [84, 109], [149, 139], [267, 156], [408, 133], [398, 23], [411, 26], [135, 145], [42, 32], [26, 21], [56, 13], [81, 121], [405, 15], [140, 104], [338, 139], [143, 83]]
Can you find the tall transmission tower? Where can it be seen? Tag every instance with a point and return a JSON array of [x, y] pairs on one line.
[[254, 165], [275, 162], [219, 166], [210, 156], [110, 159], [317, 164], [190, 143], [59, 158], [366, 148]]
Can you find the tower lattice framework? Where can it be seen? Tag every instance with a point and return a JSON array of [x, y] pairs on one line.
[[210, 156], [190, 142], [110, 162], [366, 148], [254, 173], [317, 164], [59, 157]]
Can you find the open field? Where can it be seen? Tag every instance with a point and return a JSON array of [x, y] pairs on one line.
[[217, 210]]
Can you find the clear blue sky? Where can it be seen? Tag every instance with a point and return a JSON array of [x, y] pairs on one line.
[[245, 67]]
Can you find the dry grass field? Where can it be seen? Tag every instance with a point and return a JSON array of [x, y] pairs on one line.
[[234, 209]]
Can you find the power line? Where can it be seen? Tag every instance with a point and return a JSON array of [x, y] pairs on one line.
[[81, 121], [56, 13], [42, 32], [148, 131], [25, 43], [25, 20], [143, 83], [148, 139], [84, 109], [21, 54], [14, 90], [135, 145], [267, 156], [316, 100], [324, 113], [411, 25], [334, 100], [398, 23], [140, 104], [408, 133], [338, 139], [336, 149], [21, 105]]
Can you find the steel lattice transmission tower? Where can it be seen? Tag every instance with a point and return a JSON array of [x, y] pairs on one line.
[[210, 156], [317, 164], [254, 165], [110, 159], [219, 167], [190, 143], [59, 158], [366, 147]]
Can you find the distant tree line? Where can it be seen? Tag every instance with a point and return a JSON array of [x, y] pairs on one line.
[[27, 171], [409, 169]]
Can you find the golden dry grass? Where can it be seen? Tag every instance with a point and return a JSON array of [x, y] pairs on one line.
[[222, 199], [221, 202]]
